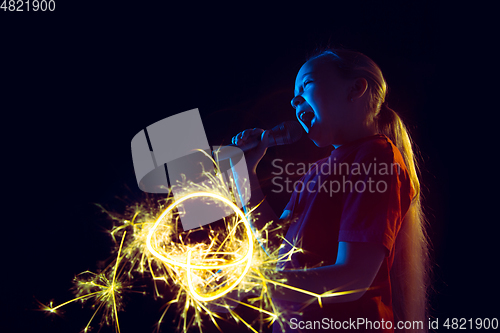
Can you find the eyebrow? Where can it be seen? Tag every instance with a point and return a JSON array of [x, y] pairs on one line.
[[306, 74]]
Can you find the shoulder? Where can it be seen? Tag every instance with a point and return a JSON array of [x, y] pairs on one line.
[[377, 147], [378, 151]]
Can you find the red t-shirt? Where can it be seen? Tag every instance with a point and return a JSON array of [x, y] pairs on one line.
[[360, 193]]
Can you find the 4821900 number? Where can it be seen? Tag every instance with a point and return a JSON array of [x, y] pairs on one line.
[[464, 324], [28, 5]]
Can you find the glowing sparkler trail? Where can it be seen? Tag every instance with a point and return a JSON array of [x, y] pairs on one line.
[[216, 273], [246, 258]]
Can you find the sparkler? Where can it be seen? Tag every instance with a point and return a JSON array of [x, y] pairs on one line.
[[209, 276]]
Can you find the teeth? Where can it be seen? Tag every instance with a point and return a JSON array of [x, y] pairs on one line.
[[304, 117]]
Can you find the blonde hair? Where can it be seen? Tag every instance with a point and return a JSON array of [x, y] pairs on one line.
[[410, 270]]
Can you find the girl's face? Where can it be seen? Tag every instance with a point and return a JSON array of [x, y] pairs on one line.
[[322, 103]]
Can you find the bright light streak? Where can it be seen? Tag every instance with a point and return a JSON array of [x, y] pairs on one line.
[[218, 272]]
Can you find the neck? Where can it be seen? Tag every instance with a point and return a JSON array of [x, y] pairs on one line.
[[354, 135]]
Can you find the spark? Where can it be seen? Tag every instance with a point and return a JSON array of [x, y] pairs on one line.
[[232, 266], [103, 288]]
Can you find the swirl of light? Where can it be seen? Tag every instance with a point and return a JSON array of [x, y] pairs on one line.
[[246, 260]]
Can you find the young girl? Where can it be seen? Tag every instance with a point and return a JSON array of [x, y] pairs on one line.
[[357, 217]]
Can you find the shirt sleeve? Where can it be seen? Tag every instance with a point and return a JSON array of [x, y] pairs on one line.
[[372, 205]]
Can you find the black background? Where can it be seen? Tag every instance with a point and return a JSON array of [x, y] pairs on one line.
[[80, 82]]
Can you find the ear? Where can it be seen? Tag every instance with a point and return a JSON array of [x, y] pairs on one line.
[[358, 88]]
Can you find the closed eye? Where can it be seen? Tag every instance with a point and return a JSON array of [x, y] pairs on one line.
[[306, 83]]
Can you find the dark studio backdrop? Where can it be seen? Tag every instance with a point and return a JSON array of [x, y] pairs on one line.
[[80, 82]]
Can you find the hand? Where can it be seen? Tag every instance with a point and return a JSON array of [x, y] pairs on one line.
[[254, 155]]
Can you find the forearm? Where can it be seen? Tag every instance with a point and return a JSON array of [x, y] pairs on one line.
[[353, 273], [334, 284], [262, 213]]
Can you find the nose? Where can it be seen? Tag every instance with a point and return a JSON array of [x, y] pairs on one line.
[[297, 100]]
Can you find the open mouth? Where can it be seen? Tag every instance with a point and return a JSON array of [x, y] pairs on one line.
[[306, 117]]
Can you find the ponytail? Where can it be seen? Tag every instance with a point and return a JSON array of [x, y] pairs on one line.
[[410, 269]]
